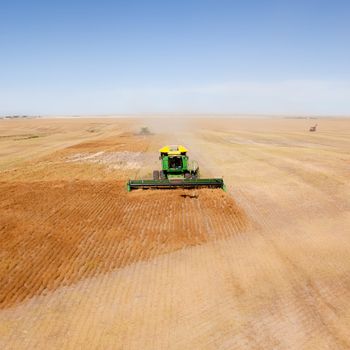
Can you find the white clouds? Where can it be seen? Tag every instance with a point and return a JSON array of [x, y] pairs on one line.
[[285, 97]]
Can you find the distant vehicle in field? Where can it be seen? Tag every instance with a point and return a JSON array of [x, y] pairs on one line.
[[313, 128], [145, 131], [177, 172]]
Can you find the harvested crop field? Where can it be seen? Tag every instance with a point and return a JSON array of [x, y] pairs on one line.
[[83, 229], [86, 265]]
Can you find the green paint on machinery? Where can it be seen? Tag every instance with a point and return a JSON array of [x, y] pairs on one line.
[[177, 172]]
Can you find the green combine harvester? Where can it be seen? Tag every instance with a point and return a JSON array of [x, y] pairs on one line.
[[177, 172]]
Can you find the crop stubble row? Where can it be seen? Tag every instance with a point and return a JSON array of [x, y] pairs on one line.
[[56, 233]]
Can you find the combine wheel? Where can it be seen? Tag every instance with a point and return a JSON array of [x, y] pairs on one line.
[[162, 175], [155, 174], [187, 175]]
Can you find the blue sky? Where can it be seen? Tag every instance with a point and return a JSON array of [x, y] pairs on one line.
[[183, 56]]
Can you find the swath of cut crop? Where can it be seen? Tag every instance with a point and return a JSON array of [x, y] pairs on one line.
[[56, 233]]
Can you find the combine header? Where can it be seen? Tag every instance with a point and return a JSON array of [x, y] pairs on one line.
[[177, 172]]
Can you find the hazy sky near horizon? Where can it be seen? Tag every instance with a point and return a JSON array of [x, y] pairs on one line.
[[183, 56]]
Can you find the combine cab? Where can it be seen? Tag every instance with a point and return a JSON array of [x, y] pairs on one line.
[[177, 172]]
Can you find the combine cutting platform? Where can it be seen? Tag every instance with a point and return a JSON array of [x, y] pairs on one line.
[[166, 184]]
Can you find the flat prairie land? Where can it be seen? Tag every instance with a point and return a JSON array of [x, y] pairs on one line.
[[86, 265]]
